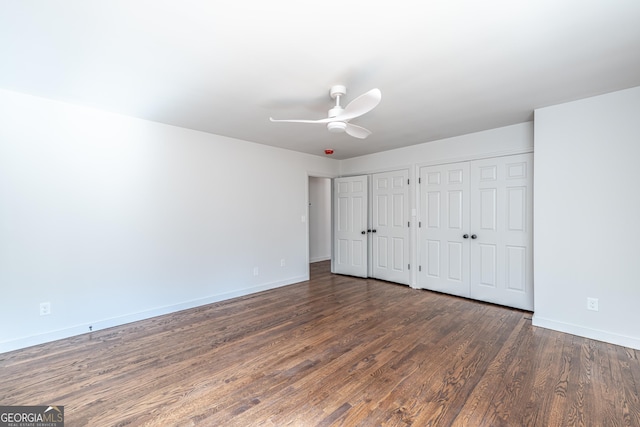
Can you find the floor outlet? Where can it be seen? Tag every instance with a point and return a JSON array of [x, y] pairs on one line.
[[45, 308], [256, 271], [282, 263], [592, 304]]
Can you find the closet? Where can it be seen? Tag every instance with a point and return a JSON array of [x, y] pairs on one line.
[[475, 230], [371, 226]]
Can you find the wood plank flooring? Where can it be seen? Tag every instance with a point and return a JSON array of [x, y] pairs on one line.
[[333, 351]]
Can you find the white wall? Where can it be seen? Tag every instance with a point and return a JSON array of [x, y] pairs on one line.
[[587, 210], [113, 219], [495, 142], [319, 219]]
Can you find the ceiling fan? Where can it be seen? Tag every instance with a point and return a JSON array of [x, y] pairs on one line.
[[338, 119]]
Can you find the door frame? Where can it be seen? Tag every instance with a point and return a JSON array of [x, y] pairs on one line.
[[306, 213]]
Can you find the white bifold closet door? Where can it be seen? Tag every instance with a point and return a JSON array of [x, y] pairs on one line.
[[444, 220], [390, 227], [475, 235], [371, 226], [350, 226]]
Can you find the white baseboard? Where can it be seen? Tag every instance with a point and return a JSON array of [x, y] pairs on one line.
[[581, 331], [134, 317], [318, 259]]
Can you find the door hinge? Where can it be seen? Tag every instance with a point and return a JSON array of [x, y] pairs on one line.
[[407, 182], [409, 224], [419, 180], [419, 268], [408, 266], [419, 224]]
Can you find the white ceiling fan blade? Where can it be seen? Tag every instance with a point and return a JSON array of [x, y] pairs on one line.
[[301, 121], [361, 105], [357, 131]]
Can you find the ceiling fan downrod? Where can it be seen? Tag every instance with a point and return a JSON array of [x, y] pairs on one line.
[[336, 92]]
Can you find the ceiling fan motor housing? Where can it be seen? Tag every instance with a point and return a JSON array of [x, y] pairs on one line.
[[335, 111]]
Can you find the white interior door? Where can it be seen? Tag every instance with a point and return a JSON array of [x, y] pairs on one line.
[[350, 229], [444, 220], [390, 226], [501, 221]]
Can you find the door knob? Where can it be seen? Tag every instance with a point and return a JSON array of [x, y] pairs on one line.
[[466, 236], [368, 231], [363, 232], [473, 236], [374, 230]]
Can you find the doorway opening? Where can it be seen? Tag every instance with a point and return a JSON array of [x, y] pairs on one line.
[[319, 219]]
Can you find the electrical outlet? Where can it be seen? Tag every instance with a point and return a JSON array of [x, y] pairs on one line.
[[45, 308], [256, 271], [282, 262], [592, 304]]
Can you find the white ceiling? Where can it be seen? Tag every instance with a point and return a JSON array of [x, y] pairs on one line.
[[445, 67]]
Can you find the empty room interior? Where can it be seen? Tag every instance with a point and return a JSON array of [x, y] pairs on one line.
[[345, 213]]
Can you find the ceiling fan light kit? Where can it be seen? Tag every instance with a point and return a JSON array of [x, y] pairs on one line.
[[337, 127], [338, 117]]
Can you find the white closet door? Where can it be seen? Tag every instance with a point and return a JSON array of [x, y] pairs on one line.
[[444, 217], [389, 226], [350, 226], [501, 220]]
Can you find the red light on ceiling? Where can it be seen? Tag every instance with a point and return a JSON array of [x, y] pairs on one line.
[[328, 151]]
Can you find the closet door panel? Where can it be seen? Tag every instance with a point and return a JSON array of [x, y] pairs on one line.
[[501, 220], [350, 216], [389, 231], [444, 219]]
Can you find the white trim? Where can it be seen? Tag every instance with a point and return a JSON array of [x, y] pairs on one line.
[[73, 331], [581, 331], [320, 175], [482, 156], [378, 170]]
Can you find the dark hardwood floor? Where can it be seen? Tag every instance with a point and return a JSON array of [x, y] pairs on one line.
[[336, 351]]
